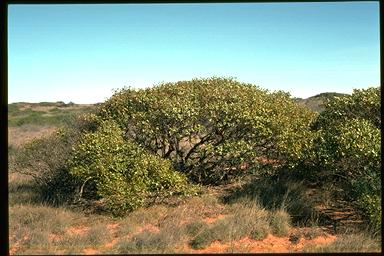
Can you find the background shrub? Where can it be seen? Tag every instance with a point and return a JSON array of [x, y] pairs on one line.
[[46, 160]]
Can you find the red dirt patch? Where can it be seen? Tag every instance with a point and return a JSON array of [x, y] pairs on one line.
[[270, 244], [90, 251], [15, 247], [77, 230], [111, 244], [210, 220]]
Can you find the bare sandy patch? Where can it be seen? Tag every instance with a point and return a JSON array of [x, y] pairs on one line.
[[18, 136], [111, 244], [214, 247], [90, 251]]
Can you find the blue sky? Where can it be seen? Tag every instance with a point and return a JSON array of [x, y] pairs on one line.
[[80, 53]]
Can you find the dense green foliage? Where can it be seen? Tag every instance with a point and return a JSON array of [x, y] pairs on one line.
[[211, 128], [124, 174], [349, 146]]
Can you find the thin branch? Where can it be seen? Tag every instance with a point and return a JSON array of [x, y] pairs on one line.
[[82, 187], [202, 141]]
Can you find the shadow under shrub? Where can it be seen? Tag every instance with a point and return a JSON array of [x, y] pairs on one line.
[[274, 193]]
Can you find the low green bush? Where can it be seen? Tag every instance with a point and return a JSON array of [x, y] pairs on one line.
[[124, 174]]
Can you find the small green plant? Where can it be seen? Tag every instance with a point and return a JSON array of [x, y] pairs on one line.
[[208, 235]]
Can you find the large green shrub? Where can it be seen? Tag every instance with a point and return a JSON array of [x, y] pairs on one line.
[[349, 147], [211, 128], [124, 174]]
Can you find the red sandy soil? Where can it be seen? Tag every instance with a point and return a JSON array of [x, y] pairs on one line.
[[269, 244], [90, 251], [13, 249]]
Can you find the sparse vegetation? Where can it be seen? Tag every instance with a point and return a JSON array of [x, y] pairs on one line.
[[348, 243], [45, 160], [48, 113]]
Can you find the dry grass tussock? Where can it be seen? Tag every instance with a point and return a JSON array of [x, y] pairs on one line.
[[352, 242]]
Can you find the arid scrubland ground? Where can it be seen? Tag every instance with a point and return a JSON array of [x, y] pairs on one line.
[[222, 219]]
